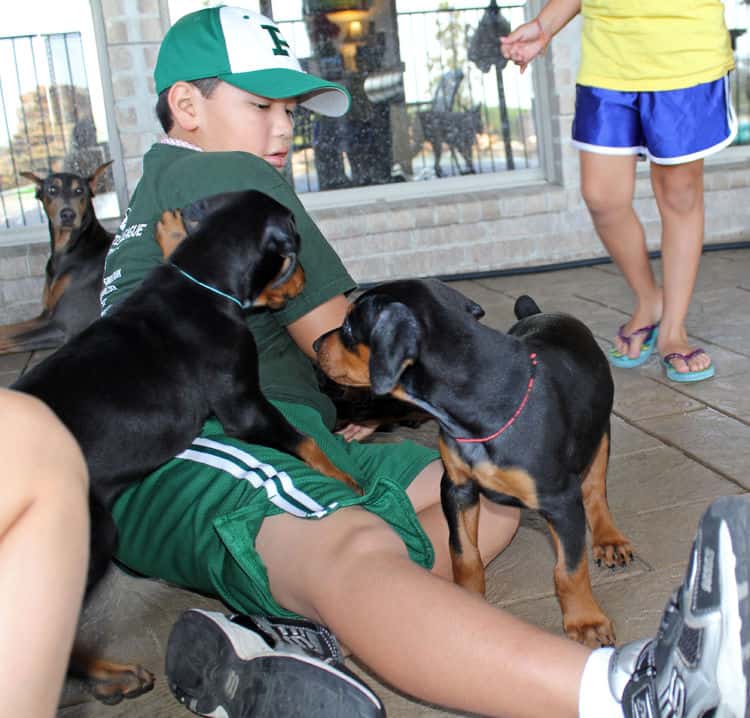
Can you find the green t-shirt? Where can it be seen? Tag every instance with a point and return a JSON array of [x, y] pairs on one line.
[[175, 176]]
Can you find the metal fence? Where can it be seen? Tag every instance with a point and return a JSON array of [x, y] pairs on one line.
[[505, 137]]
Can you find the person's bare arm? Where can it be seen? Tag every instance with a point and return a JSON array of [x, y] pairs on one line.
[[309, 327], [530, 39], [323, 318]]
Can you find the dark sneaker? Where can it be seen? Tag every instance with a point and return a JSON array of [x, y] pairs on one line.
[[242, 667], [698, 664]]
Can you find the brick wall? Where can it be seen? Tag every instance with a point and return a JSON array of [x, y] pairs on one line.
[[445, 227]]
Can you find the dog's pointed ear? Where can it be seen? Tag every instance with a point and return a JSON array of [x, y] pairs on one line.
[[38, 181], [93, 179], [394, 345]]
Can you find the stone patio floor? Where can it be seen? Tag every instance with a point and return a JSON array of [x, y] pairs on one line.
[[674, 449]]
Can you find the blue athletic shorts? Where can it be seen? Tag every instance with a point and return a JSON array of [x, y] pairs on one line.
[[669, 126]]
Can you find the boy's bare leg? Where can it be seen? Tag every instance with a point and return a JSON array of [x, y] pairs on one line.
[[417, 630], [497, 526], [43, 553], [679, 196], [607, 185]]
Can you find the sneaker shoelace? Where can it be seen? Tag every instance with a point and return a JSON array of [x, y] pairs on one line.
[[317, 641]]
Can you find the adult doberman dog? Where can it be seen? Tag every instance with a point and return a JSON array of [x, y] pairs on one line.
[[524, 420], [138, 384], [73, 274]]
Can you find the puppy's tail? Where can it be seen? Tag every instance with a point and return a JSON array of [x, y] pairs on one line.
[[525, 306]]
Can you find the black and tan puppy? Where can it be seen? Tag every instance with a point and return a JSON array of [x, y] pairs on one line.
[[73, 273], [524, 420], [136, 386]]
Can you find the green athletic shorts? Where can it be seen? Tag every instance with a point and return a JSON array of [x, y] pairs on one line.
[[193, 522]]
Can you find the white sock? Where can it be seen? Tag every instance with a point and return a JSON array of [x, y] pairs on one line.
[[595, 699]]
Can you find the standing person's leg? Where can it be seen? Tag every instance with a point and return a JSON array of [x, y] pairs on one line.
[[607, 186], [679, 195], [43, 553]]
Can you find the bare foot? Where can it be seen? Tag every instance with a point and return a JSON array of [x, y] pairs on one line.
[[696, 360], [646, 314]]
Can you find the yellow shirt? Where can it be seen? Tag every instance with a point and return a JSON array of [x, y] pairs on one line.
[[643, 45]]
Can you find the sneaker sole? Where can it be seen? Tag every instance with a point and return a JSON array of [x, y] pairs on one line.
[[205, 674], [725, 529]]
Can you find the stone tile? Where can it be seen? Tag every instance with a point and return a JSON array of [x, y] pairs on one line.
[[636, 610], [7, 378], [719, 441], [13, 362], [725, 393], [627, 439], [723, 268], [658, 479], [659, 537], [638, 397]]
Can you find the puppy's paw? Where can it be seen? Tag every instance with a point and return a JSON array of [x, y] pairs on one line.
[[111, 682], [612, 552], [594, 631], [170, 231]]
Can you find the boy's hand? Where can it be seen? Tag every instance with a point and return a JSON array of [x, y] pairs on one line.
[[524, 43], [355, 432]]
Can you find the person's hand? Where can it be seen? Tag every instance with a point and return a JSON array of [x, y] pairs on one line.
[[355, 432], [524, 43]]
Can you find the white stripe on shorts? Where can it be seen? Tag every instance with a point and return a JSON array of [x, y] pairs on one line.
[[248, 470], [244, 474], [248, 459]]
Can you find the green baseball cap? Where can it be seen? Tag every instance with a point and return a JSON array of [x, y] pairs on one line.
[[246, 50]]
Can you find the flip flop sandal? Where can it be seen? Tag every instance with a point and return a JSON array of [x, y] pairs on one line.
[[686, 376], [623, 361]]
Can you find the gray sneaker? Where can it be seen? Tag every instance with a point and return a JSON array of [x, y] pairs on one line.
[[246, 666], [698, 664]]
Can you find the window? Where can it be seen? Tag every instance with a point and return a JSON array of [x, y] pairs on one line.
[[737, 13], [52, 113], [427, 99], [421, 108]]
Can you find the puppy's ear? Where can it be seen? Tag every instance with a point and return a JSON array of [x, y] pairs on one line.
[[525, 306], [394, 345], [198, 210], [280, 235]]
